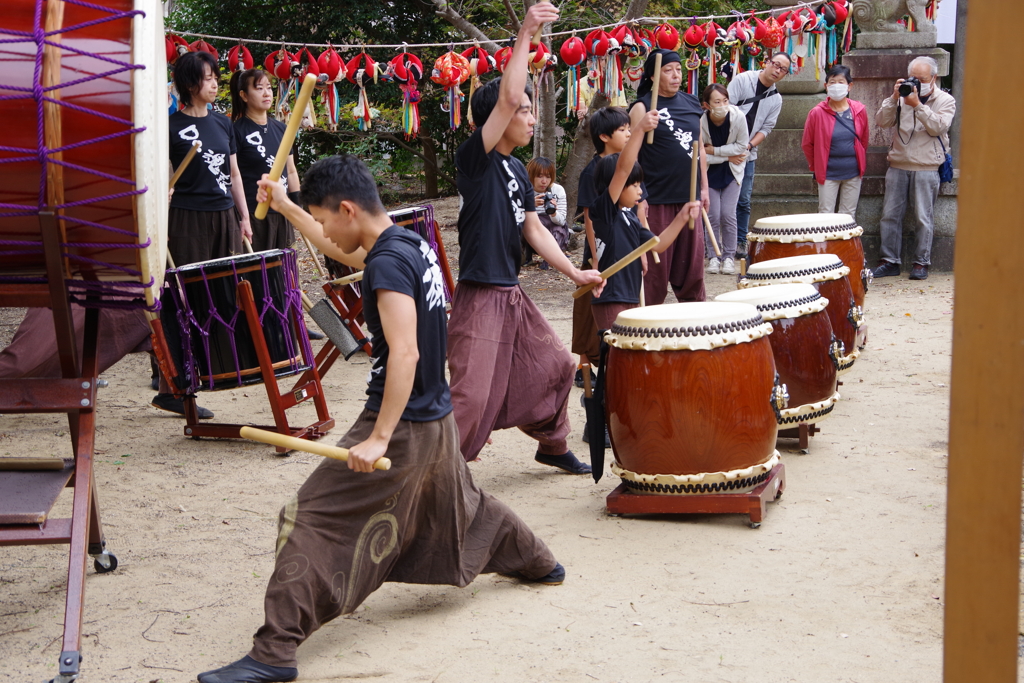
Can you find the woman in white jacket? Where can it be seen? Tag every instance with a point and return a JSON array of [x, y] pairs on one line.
[[724, 131], [551, 204]]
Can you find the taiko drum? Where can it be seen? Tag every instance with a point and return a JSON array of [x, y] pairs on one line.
[[806, 353], [692, 398]]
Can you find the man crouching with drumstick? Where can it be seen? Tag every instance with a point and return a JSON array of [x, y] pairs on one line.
[[350, 528]]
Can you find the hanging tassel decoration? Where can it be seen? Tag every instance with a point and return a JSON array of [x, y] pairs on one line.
[[450, 71], [480, 63], [574, 53], [362, 71], [407, 70], [332, 70], [239, 58]]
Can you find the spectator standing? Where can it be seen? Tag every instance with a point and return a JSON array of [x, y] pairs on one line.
[[724, 130], [550, 202], [922, 119], [755, 94], [835, 144]]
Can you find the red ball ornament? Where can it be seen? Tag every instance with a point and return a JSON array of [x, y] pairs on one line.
[[407, 67], [330, 64], [480, 60], [239, 58], [667, 37], [279, 63], [694, 36], [502, 56], [573, 52], [598, 43], [369, 70], [203, 46]]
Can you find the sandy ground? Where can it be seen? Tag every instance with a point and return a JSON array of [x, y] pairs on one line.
[[843, 582]]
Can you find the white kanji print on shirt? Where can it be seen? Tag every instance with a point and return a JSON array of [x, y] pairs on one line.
[[513, 187], [214, 162], [256, 140], [684, 137], [432, 277]]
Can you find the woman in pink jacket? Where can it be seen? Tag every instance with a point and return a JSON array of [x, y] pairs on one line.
[[835, 144]]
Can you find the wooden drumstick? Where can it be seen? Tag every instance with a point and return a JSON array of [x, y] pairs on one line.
[[695, 148], [654, 93], [711, 233], [291, 443], [183, 165], [316, 259], [643, 301], [536, 36], [247, 244], [285, 148], [618, 265], [644, 222], [348, 279]]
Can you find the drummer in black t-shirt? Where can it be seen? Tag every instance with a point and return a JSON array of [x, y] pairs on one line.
[[257, 137], [203, 223], [508, 367], [667, 165]]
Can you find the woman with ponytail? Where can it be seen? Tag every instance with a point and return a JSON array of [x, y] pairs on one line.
[[257, 136]]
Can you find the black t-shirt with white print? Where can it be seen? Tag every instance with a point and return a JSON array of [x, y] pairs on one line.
[[206, 183], [587, 195], [257, 145], [496, 194], [667, 161], [618, 232], [402, 261]]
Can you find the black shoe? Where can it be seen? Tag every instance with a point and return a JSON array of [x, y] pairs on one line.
[[155, 384], [248, 670], [886, 269], [155, 369], [177, 406], [556, 577], [314, 335], [566, 461], [920, 272], [578, 380], [607, 436]]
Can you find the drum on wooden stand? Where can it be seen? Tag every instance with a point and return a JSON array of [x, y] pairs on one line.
[[807, 354], [217, 349], [829, 276], [692, 398], [813, 233]]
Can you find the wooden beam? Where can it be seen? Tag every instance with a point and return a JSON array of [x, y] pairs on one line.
[[986, 435]]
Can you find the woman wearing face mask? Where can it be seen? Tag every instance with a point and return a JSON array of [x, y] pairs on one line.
[[835, 144], [724, 130], [257, 137]]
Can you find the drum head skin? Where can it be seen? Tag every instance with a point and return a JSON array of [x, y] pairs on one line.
[[810, 268], [805, 227], [776, 302], [687, 326]]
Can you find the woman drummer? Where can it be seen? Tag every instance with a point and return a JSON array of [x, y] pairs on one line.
[[208, 215], [257, 137]]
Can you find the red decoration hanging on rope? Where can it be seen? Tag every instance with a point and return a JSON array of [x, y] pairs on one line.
[[450, 71], [239, 58], [574, 53], [407, 70]]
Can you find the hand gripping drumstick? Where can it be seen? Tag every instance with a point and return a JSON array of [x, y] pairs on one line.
[[536, 36], [654, 93], [183, 165], [290, 442], [618, 265], [711, 233], [301, 102]]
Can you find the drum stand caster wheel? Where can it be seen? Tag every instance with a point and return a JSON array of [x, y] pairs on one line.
[[755, 525], [104, 562]]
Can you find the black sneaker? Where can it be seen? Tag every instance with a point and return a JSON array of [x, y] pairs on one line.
[[177, 406], [248, 670], [566, 461], [920, 272], [886, 269]]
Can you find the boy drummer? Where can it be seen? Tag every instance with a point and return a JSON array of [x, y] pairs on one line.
[[349, 529], [508, 367]]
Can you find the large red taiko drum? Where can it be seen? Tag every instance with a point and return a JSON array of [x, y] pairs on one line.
[[829, 276], [806, 352], [692, 398]]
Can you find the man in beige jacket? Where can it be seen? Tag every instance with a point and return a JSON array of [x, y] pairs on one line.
[[921, 120]]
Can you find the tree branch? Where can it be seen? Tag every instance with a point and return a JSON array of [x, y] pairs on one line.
[[512, 16], [636, 9], [401, 143], [446, 12]]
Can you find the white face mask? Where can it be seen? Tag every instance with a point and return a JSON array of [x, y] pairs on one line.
[[925, 90], [838, 91], [720, 112]]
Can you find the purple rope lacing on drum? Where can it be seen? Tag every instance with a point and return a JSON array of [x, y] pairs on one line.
[[293, 304], [107, 294]]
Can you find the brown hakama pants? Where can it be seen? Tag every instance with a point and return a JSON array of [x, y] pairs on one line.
[[508, 369], [682, 264], [585, 341], [423, 521], [194, 236], [272, 232], [605, 314], [33, 350]]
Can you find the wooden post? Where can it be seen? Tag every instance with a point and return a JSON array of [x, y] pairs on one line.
[[986, 434]]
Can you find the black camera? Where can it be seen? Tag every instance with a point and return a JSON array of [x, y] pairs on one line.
[[549, 203], [908, 86]]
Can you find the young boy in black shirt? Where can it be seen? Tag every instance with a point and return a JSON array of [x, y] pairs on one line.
[[423, 521], [508, 367]]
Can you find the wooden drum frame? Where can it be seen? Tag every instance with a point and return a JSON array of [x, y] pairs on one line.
[[692, 398]]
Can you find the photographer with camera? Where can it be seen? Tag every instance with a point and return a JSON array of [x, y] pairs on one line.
[[921, 113], [550, 199]]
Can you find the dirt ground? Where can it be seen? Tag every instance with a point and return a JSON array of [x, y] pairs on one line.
[[843, 582]]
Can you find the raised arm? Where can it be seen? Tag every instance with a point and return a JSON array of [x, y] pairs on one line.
[[627, 157], [513, 80]]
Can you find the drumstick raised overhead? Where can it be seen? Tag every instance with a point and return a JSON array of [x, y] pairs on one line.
[[654, 93], [183, 165], [619, 265], [290, 442], [285, 148]]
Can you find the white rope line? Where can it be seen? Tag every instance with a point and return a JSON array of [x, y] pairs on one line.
[[403, 46]]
